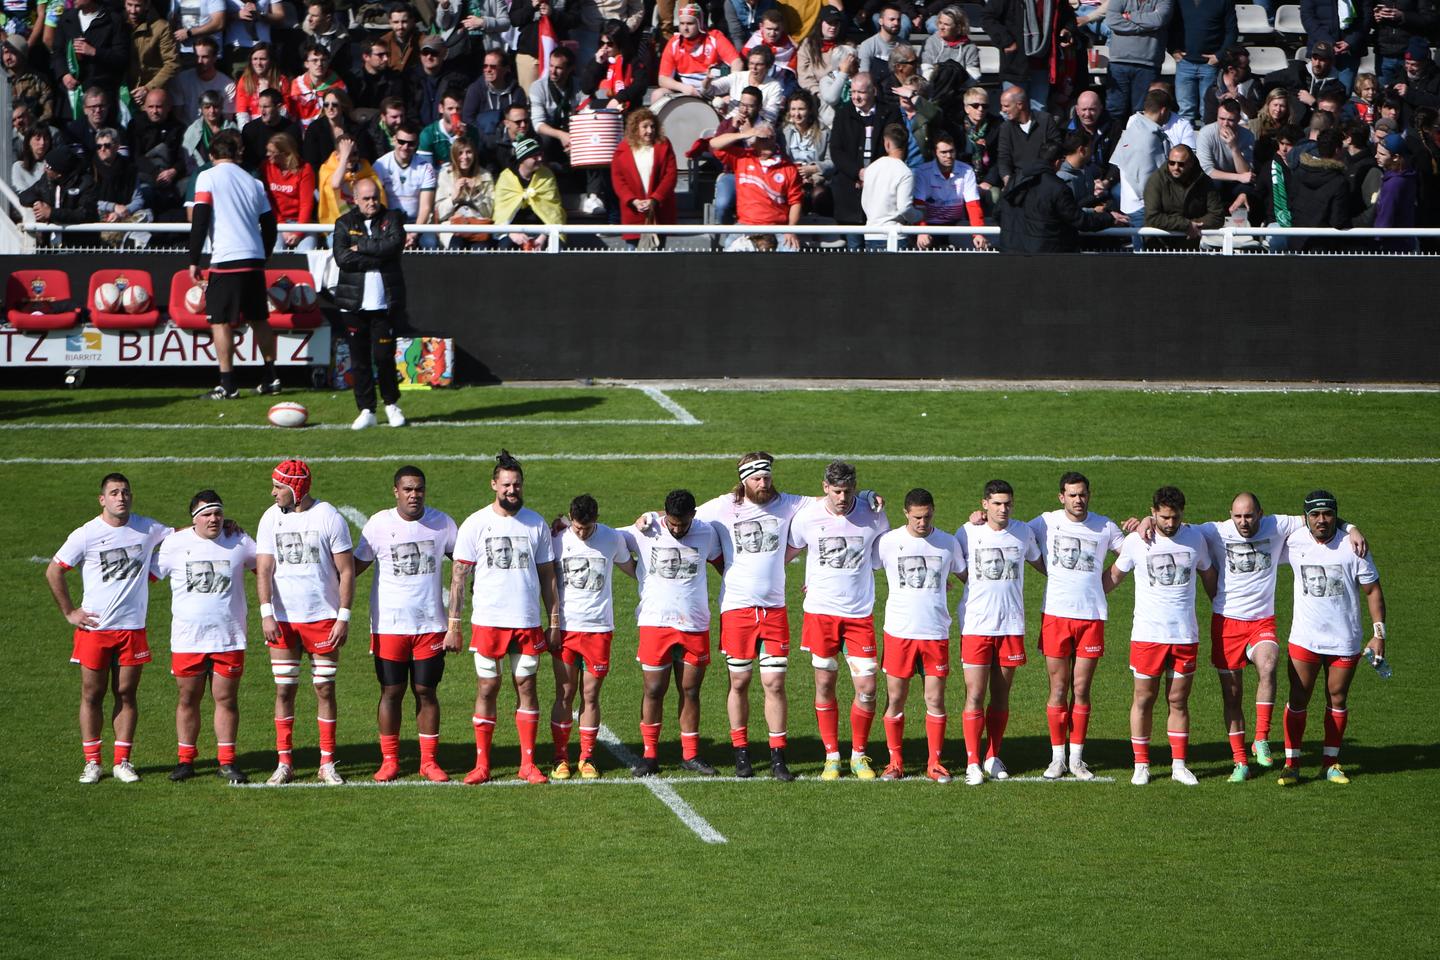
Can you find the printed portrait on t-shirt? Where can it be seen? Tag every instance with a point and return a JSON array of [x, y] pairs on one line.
[[207, 576], [997, 563], [300, 546], [507, 553], [1168, 569], [1246, 557], [119, 563], [919, 573], [842, 553], [675, 563], [1073, 553], [760, 535], [414, 558], [586, 574], [1323, 581]]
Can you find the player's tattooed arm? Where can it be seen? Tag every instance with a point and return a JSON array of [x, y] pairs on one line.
[[460, 572]]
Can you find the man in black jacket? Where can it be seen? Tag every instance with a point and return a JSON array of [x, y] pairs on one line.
[[1023, 134], [1319, 193], [92, 49], [156, 147], [270, 121], [1038, 213], [66, 194], [856, 139], [368, 243]]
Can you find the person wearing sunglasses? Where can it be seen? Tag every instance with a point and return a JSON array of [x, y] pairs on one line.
[[410, 183], [1179, 197]]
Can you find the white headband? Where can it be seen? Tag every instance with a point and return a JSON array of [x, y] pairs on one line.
[[748, 470], [208, 505]]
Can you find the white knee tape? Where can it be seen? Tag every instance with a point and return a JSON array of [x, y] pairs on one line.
[[862, 666], [773, 664], [286, 672], [524, 664], [825, 663], [323, 670], [867, 699], [486, 668], [739, 666]]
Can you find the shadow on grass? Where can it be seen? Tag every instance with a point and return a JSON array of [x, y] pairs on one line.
[[70, 406], [502, 411]]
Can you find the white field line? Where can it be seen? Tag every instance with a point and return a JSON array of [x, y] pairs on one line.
[[680, 414], [431, 455], [663, 791], [353, 515]]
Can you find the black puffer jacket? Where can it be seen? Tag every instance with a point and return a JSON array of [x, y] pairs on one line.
[[1038, 214], [1419, 20], [1320, 194], [358, 252]]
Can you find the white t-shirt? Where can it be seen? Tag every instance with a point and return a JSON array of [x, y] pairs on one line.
[[237, 201], [918, 570], [407, 595], [1248, 567], [507, 553], [114, 563], [994, 600], [586, 576], [674, 589], [1327, 595], [839, 568], [207, 589], [304, 544], [1165, 584], [403, 185], [753, 539], [1075, 563]]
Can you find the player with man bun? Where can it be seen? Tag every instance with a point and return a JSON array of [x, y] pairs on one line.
[[305, 581]]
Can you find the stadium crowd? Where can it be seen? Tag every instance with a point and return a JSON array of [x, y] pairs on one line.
[[464, 112], [516, 570]]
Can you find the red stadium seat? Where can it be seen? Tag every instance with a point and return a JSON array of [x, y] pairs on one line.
[[27, 288], [307, 320], [180, 314], [120, 320]]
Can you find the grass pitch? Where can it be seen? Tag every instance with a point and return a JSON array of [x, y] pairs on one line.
[[807, 869]]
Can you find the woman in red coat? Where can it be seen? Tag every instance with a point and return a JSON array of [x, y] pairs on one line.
[[643, 174]]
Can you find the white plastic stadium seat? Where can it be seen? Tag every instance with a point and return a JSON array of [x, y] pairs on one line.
[[1265, 60], [1252, 20], [1302, 53], [989, 61], [1167, 68], [1287, 21]]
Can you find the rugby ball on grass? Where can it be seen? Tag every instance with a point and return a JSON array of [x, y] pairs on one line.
[[195, 299], [288, 413], [135, 299], [107, 298]]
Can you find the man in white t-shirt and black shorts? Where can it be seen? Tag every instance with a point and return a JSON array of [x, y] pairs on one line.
[[113, 553], [408, 545], [232, 212], [206, 567], [508, 549], [305, 582]]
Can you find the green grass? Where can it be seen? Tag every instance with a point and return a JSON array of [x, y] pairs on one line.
[[810, 869]]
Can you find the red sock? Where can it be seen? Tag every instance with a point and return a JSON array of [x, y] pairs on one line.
[[689, 745], [739, 737], [1179, 740], [973, 723], [428, 744], [560, 736], [1079, 723], [995, 723], [650, 735], [186, 752], [935, 736], [527, 725], [1140, 746], [827, 718], [587, 741], [327, 739], [389, 748], [778, 740], [1262, 720], [895, 736], [92, 750], [1334, 732], [285, 739], [860, 721], [484, 734], [1237, 746], [1055, 718], [122, 752], [1294, 722], [225, 753]]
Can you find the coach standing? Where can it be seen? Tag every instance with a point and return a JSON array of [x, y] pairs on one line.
[[371, 290], [233, 213]]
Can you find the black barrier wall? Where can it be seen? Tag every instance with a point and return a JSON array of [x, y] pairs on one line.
[[683, 315]]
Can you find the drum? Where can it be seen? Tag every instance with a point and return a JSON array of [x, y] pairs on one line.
[[683, 120], [594, 137]]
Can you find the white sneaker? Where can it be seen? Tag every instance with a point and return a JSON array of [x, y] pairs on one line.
[[1181, 774], [1080, 771], [995, 770], [365, 419], [591, 204], [1141, 776], [973, 775], [1056, 770], [328, 774], [92, 772], [282, 775], [394, 414], [124, 772]]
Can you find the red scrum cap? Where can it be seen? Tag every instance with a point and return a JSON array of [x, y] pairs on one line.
[[295, 475]]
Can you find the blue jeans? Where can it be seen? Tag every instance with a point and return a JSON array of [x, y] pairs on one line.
[[1191, 82], [1346, 66], [1137, 220], [723, 206], [1128, 85], [307, 242]]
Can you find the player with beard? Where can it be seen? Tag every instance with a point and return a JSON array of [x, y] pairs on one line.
[[504, 611], [407, 545]]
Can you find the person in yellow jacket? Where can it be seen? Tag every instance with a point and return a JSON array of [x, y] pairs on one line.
[[338, 176], [527, 192]]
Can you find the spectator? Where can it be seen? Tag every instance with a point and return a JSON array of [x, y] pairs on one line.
[[488, 97], [745, 115], [1022, 134], [375, 80], [855, 141], [248, 22], [91, 49], [644, 173], [118, 198], [464, 194], [1103, 133], [1319, 195], [1090, 19], [1029, 37], [435, 140], [1075, 173], [1308, 79], [1038, 213], [96, 114], [691, 54], [1234, 82], [807, 144], [620, 71], [268, 122], [1365, 101], [767, 186], [154, 59], [1345, 26], [1362, 172], [1397, 24], [431, 77], [920, 117], [874, 53], [1207, 29], [904, 72], [1140, 152], [409, 183], [290, 184], [323, 136], [496, 150], [815, 58], [1421, 85], [888, 192], [1270, 205], [525, 19], [1137, 47], [382, 131], [319, 26], [1274, 113], [951, 41], [204, 77], [527, 193], [26, 85], [1397, 206], [946, 191], [1225, 151], [29, 168], [1177, 128], [198, 135], [742, 18], [157, 146], [65, 195], [403, 39], [771, 33], [261, 73], [1319, 123], [481, 24], [982, 136], [835, 85], [1425, 158], [1180, 198], [308, 91], [192, 19], [553, 99], [338, 176], [760, 75]]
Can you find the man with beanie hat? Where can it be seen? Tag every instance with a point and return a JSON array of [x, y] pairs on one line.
[[1397, 23], [66, 194], [1421, 86]]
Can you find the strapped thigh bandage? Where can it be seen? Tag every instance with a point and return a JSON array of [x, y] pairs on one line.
[[322, 670]]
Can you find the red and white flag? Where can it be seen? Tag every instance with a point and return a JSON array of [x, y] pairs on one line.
[[547, 43]]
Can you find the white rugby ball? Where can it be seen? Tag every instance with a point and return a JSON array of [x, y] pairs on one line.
[[135, 299], [107, 298], [302, 297], [195, 299], [288, 413]]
